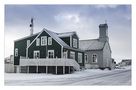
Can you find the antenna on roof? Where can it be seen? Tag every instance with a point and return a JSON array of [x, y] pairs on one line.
[[31, 26]]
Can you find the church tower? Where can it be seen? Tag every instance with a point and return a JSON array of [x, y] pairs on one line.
[[103, 32]]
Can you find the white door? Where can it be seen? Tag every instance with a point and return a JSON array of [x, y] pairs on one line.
[[36, 54], [50, 53]]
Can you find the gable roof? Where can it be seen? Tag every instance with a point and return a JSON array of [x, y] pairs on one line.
[[26, 37], [92, 44], [56, 38], [59, 40]]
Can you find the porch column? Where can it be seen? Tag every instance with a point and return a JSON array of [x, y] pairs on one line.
[[63, 69], [46, 69], [27, 69], [69, 69], [56, 70], [36, 69]]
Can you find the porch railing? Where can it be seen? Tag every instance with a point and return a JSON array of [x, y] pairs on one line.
[[49, 62]]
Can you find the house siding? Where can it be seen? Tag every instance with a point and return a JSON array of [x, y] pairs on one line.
[[55, 46], [66, 40], [107, 56], [99, 62], [76, 56], [21, 45]]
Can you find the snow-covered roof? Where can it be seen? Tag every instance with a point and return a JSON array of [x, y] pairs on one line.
[[92, 44], [26, 37], [59, 40], [54, 36], [65, 34]]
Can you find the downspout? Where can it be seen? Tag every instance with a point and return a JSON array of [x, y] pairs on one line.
[[61, 51]]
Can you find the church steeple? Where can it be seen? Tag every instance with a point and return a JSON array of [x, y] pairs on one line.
[[103, 32]]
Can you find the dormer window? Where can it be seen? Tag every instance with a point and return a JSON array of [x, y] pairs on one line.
[[75, 42], [43, 40]]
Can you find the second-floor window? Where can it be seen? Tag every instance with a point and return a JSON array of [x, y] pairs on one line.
[[43, 40], [74, 42], [49, 41], [37, 42]]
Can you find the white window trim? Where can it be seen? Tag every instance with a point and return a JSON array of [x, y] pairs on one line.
[[96, 58], [80, 56], [42, 39], [36, 51], [50, 51], [72, 52], [28, 43], [16, 52], [38, 42], [49, 40]]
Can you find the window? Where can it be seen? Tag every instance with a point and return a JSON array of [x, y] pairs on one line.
[[49, 41], [86, 58], [16, 52], [94, 56], [65, 54], [72, 55], [28, 43], [37, 42], [74, 42], [50, 53], [37, 54], [43, 40], [79, 57]]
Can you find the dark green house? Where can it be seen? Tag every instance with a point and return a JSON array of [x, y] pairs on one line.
[[48, 52]]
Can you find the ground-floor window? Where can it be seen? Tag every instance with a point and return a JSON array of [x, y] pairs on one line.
[[79, 57], [86, 58], [72, 55], [50, 53], [36, 54], [16, 52], [94, 57]]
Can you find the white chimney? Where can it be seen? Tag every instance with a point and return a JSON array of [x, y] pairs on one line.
[[31, 27]]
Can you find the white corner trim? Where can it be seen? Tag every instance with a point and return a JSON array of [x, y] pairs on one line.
[[71, 40]]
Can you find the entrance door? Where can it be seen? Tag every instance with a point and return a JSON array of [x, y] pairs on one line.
[[65, 54], [37, 54], [50, 53]]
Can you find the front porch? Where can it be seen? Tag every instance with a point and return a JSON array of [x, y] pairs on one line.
[[48, 65]]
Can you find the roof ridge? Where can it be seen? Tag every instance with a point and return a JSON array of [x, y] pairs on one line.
[[88, 39], [67, 32]]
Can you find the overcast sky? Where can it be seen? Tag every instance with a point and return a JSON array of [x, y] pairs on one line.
[[84, 19]]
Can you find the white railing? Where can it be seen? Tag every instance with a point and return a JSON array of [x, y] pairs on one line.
[[50, 62]]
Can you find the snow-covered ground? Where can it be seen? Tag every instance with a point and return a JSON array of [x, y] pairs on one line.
[[85, 77]]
